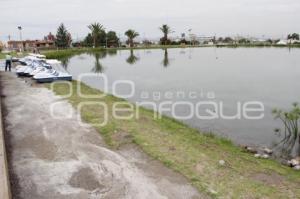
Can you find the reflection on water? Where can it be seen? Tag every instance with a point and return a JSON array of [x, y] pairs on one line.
[[289, 145], [112, 52], [132, 59], [267, 75], [98, 68], [166, 61], [65, 62]]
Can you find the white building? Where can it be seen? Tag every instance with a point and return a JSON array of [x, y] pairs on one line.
[[282, 42]]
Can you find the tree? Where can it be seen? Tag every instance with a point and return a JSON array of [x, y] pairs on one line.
[[293, 36], [228, 40], [49, 37], [220, 40], [166, 30], [88, 40], [244, 41], [112, 39], [131, 34], [63, 37], [96, 30], [69, 39]]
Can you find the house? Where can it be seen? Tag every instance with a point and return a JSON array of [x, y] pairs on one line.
[[282, 42], [30, 44], [19, 45], [45, 43]]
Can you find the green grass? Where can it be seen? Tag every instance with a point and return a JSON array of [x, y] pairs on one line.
[[14, 54], [193, 154]]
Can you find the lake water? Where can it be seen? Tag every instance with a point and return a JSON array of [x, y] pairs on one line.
[[220, 75]]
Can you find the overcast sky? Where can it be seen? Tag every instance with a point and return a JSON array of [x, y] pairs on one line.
[[272, 18]]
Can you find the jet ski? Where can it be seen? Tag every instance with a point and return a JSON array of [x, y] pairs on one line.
[[25, 70], [40, 69], [38, 56], [15, 59], [52, 75], [56, 73], [45, 65], [27, 60]]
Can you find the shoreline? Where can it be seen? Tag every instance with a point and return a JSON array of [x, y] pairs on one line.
[[62, 158], [61, 53], [187, 150]]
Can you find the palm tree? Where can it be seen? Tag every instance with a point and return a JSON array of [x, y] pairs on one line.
[[166, 30], [96, 29], [131, 34]]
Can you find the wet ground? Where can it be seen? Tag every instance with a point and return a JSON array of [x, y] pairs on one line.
[[59, 158]]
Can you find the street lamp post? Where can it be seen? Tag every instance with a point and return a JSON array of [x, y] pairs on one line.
[[20, 30], [190, 35]]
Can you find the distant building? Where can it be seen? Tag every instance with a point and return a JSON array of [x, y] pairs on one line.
[[30, 44], [282, 42], [47, 42]]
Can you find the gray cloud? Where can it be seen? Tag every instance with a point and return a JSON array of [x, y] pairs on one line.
[[274, 18]]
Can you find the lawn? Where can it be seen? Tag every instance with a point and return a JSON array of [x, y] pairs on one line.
[[2, 56], [14, 54]]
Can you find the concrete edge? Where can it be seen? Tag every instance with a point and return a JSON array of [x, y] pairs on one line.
[[5, 192]]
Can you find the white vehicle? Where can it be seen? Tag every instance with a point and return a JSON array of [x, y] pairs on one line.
[[38, 56], [44, 67], [27, 60], [52, 75], [25, 70], [56, 73]]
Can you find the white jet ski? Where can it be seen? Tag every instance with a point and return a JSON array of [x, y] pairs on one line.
[[25, 70], [56, 73], [44, 67]]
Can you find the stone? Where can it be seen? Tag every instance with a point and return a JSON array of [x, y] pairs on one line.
[[267, 150], [265, 156], [222, 162], [257, 155], [294, 162], [297, 167], [250, 149]]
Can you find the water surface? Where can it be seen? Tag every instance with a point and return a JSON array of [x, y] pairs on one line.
[[267, 75]]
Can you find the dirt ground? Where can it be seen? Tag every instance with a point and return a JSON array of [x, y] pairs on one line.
[[59, 158]]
